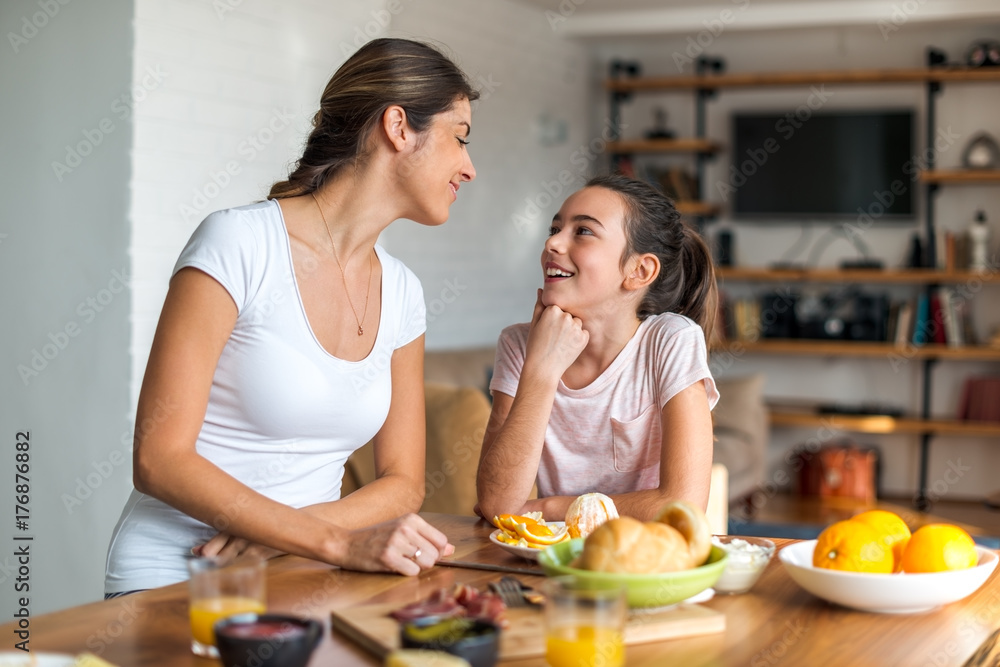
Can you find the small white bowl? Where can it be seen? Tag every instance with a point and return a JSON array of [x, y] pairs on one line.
[[744, 567], [885, 593]]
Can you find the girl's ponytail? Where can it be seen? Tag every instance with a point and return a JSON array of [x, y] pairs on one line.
[[699, 298], [686, 282]]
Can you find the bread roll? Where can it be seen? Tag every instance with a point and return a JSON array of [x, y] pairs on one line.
[[627, 545], [691, 522]]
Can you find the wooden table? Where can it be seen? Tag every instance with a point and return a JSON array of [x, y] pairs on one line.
[[777, 623]]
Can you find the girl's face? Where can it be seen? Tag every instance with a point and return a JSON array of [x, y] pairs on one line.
[[581, 261], [439, 166]]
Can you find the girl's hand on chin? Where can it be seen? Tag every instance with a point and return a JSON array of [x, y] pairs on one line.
[[556, 338]]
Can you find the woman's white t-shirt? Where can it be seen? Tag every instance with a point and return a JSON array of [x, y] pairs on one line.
[[283, 414], [606, 436]]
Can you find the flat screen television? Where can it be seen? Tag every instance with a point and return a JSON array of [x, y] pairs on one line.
[[832, 165]]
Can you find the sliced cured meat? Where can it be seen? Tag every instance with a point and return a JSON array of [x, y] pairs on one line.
[[440, 603]]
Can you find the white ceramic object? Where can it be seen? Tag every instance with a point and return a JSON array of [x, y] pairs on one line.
[[885, 593], [745, 564], [524, 552]]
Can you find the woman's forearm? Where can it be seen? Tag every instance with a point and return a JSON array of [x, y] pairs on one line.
[[200, 489], [384, 498]]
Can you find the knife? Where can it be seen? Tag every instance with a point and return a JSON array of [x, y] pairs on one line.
[[492, 568]]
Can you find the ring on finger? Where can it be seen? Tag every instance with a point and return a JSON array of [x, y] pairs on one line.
[[416, 554]]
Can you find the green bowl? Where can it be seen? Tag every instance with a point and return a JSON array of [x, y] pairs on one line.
[[644, 590]]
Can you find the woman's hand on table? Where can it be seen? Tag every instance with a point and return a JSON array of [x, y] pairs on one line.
[[226, 547], [407, 545]]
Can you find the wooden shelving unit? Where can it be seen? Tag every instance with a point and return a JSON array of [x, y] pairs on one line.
[[850, 348], [688, 145], [960, 176], [899, 276], [884, 424], [808, 78], [708, 80]]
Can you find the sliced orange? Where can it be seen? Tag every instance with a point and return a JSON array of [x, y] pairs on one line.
[[539, 534], [510, 521]]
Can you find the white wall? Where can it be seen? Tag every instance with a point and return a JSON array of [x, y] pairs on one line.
[[481, 269], [963, 108], [64, 264]]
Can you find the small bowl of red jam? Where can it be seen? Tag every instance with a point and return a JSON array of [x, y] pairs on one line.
[[266, 640]]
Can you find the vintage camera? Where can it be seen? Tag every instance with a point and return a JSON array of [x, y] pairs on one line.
[[848, 314]]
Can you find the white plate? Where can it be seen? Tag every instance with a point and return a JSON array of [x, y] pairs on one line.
[[524, 552], [35, 659], [885, 593]]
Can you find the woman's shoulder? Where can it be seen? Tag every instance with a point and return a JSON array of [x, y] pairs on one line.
[[516, 332]]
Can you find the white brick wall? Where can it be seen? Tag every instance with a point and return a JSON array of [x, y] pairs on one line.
[[480, 270], [229, 74]]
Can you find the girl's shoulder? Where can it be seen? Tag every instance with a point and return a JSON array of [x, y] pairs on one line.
[[669, 324]]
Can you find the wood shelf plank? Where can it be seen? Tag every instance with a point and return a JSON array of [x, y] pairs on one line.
[[831, 275], [961, 176], [773, 79], [850, 348], [885, 424], [691, 207], [683, 145]]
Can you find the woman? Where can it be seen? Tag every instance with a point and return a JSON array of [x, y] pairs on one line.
[[288, 339]]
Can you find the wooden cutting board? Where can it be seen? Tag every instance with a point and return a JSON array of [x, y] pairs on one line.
[[369, 626]]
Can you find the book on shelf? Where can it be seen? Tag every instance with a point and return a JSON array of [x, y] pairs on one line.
[[936, 334], [980, 399], [953, 334], [903, 328], [922, 320]]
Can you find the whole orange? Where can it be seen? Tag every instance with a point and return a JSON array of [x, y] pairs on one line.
[[852, 546], [892, 530], [938, 547]]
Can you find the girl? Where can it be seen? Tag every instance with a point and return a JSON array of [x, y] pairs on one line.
[[288, 339], [607, 388]]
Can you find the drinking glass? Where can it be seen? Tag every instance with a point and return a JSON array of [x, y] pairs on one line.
[[584, 623], [218, 591]]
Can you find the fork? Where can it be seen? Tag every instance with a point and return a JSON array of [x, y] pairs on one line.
[[510, 591]]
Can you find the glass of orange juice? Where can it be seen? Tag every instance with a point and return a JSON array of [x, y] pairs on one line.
[[218, 591], [584, 623]]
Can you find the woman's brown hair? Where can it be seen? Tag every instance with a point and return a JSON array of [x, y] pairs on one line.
[[686, 282], [382, 73]]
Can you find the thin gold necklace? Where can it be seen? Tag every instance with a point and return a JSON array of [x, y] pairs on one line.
[[361, 328]]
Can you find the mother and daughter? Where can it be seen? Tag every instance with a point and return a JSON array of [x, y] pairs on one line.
[[272, 345]]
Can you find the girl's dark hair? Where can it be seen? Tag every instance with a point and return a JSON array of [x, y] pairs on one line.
[[381, 73], [686, 282]]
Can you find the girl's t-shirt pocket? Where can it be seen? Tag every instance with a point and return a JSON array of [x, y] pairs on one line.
[[631, 441]]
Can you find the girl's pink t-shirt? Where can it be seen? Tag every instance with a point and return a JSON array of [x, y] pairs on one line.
[[607, 436]]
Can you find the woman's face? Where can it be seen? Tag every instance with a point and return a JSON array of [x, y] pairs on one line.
[[439, 165], [581, 261]]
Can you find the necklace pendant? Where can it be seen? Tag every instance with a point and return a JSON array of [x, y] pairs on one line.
[[361, 330]]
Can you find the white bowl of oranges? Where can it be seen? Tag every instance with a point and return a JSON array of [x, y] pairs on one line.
[[873, 563]]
